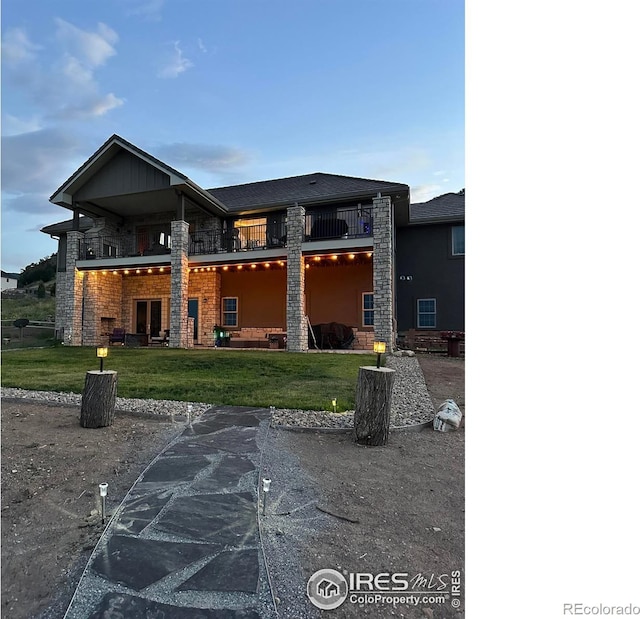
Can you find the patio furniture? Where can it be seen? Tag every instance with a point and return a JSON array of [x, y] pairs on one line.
[[157, 340], [117, 337]]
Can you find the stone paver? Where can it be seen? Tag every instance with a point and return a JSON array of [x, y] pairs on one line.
[[185, 543]]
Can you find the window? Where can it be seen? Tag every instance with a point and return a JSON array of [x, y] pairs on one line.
[[426, 313], [457, 240], [230, 311], [252, 232], [367, 309]]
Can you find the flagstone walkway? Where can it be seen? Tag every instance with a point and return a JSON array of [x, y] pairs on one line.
[[185, 543]]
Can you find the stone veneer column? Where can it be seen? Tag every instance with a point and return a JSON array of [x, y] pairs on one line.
[[179, 325], [91, 322], [297, 338], [72, 293], [383, 271]]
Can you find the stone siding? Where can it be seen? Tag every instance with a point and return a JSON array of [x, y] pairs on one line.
[[72, 295], [297, 338], [383, 271], [179, 335], [205, 286]]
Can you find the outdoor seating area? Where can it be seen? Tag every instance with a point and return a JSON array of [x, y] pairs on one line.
[[117, 337], [160, 340]]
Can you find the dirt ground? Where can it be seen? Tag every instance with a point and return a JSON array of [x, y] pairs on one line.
[[397, 509], [407, 499]]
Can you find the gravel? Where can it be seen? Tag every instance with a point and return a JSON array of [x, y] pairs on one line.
[[410, 405]]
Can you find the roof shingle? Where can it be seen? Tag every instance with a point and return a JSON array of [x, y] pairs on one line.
[[447, 207], [306, 188]]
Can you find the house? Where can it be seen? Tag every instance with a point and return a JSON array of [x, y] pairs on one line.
[[430, 266], [150, 251], [9, 281]]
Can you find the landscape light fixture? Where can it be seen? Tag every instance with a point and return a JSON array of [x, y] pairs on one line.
[[334, 403], [379, 348], [103, 496], [266, 483], [101, 353]]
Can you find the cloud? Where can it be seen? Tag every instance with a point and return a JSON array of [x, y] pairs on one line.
[[89, 108], [17, 48], [423, 193], [37, 73], [201, 46], [36, 162], [33, 204], [12, 125], [176, 64], [90, 49], [149, 10], [202, 156]]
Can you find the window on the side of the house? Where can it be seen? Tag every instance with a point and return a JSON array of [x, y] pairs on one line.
[[367, 309], [426, 314], [252, 232], [229, 311], [457, 240]]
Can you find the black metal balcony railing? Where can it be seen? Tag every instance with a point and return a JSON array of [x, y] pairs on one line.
[[319, 225], [142, 244], [239, 238], [347, 223]]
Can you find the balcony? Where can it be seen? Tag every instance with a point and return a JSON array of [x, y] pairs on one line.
[[109, 247], [339, 224], [239, 238], [332, 228]]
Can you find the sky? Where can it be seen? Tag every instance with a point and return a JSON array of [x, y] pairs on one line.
[[227, 92]]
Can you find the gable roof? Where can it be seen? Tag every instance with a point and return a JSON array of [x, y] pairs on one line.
[[114, 204], [312, 188], [101, 156], [444, 208]]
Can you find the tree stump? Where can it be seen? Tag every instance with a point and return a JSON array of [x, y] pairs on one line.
[[372, 416], [99, 399]]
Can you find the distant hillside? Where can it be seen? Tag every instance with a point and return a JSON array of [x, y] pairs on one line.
[[29, 306], [42, 271]]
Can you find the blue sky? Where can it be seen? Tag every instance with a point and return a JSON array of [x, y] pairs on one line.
[[227, 92]]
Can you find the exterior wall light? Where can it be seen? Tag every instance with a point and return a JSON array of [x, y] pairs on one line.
[[101, 353], [379, 348]]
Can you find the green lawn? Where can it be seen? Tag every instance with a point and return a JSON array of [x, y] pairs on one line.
[[234, 377]]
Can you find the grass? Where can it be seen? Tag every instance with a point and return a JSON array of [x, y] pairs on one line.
[[28, 306], [240, 378], [31, 337]]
